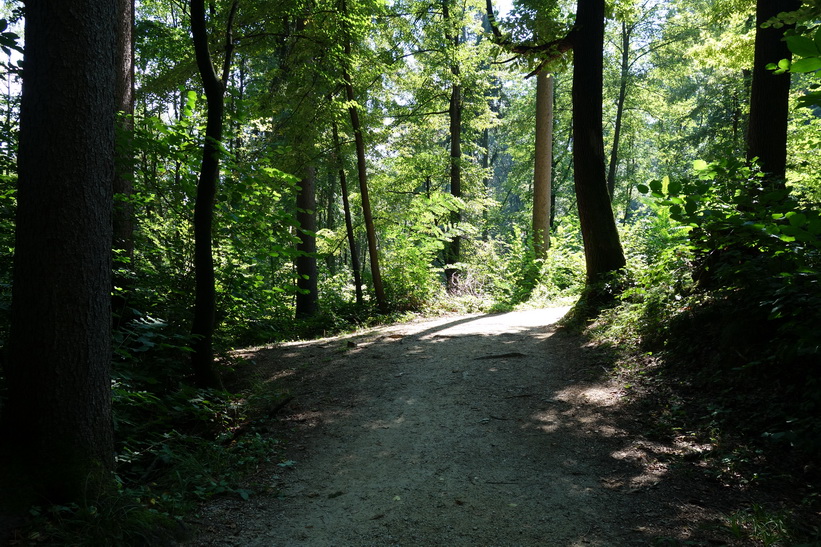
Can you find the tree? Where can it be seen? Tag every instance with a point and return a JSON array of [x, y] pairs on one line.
[[623, 77], [346, 209], [602, 248], [453, 249], [57, 423], [770, 93], [202, 359], [307, 297], [362, 170], [124, 165], [543, 167]]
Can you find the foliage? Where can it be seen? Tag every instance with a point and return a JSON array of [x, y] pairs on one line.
[[756, 248], [175, 448], [719, 254], [762, 526], [806, 44]]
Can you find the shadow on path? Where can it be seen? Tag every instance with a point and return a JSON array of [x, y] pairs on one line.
[[482, 430]]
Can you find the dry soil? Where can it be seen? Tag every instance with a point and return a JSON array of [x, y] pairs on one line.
[[482, 430]]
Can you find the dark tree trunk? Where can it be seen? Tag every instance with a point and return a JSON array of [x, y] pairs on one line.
[[330, 213], [543, 165], [602, 248], [57, 423], [454, 248], [124, 164], [486, 180], [202, 359], [362, 169], [453, 251], [307, 297], [769, 96], [346, 207], [614, 151]]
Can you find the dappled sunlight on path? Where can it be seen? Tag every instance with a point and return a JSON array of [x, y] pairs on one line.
[[469, 430]]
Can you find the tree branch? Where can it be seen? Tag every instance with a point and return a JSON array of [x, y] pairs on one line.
[[229, 42], [554, 49]]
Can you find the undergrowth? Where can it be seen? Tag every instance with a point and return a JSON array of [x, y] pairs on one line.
[[717, 336], [176, 447]]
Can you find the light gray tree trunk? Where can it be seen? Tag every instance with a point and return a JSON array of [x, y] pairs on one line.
[[543, 168]]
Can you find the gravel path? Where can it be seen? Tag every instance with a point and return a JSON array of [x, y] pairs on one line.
[[485, 430]]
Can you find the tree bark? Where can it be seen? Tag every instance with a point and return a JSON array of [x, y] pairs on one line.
[[362, 170], [346, 207], [202, 358], [124, 163], [614, 151], [453, 250], [543, 167], [57, 422], [602, 248], [307, 297], [486, 180], [770, 94]]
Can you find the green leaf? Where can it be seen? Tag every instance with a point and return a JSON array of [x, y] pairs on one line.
[[691, 205], [797, 219], [803, 46], [674, 187], [810, 100], [675, 212], [643, 188], [700, 165], [817, 38], [656, 186], [810, 64]]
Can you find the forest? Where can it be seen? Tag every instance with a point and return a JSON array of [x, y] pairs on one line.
[[180, 179]]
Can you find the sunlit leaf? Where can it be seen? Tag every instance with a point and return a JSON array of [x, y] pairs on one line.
[[802, 45], [810, 64]]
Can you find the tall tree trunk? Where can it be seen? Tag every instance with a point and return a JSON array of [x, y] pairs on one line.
[[614, 151], [770, 93], [602, 248], [346, 207], [202, 358], [124, 164], [362, 169], [486, 179], [330, 213], [543, 166], [453, 250], [307, 297], [57, 422]]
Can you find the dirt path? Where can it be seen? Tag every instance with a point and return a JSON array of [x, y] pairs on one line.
[[470, 430]]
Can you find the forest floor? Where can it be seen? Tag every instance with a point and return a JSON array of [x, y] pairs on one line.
[[485, 430]]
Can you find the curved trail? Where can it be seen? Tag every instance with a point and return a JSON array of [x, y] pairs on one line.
[[485, 430]]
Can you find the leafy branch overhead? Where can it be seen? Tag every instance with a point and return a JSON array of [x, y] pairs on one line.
[[542, 54]]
